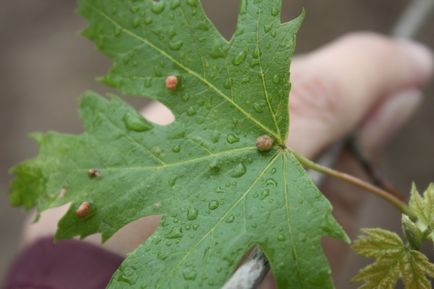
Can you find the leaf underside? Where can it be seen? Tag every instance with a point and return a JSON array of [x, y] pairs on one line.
[[217, 194]]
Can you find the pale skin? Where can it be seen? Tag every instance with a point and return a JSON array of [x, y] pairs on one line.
[[361, 80]]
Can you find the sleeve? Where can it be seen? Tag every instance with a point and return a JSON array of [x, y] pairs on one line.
[[69, 264]]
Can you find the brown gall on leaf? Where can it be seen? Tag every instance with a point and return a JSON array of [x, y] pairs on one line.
[[93, 173], [171, 82], [264, 143], [83, 210]]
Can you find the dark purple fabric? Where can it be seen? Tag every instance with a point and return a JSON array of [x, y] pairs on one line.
[[68, 264]]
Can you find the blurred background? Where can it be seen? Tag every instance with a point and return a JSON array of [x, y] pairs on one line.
[[45, 65]]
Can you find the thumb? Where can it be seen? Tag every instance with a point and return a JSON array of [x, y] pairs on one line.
[[335, 88]]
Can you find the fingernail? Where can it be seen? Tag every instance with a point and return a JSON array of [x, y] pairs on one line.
[[421, 55], [389, 119]]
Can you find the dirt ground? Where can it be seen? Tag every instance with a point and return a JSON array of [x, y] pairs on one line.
[[45, 65]]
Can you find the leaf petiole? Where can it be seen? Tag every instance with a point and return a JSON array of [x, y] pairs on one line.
[[356, 182]]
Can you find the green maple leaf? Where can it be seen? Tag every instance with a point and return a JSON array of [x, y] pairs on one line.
[[394, 261], [217, 194], [423, 209]]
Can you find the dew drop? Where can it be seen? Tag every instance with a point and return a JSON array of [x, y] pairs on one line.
[[243, 7], [118, 31], [185, 97], [213, 205], [214, 167], [254, 62], [238, 171], [276, 79], [215, 137], [147, 82], [231, 139], [175, 233], [172, 32], [176, 45], [189, 274], [172, 181], [219, 190], [191, 111], [175, 4], [258, 107], [176, 148], [228, 83], [203, 26], [271, 182], [157, 150], [162, 256], [281, 237], [239, 58], [245, 79], [134, 9], [135, 122], [136, 22], [192, 3], [257, 53], [158, 7], [264, 194], [268, 27], [230, 219], [148, 20], [128, 275], [126, 59], [192, 214]]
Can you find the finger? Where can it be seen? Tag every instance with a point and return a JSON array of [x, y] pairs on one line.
[[386, 120], [336, 86]]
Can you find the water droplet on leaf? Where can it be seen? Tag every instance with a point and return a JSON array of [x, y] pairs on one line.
[[192, 214], [135, 122], [238, 171], [258, 107], [213, 205], [239, 58], [230, 219], [192, 3], [176, 148], [276, 79], [274, 12], [175, 233], [175, 4], [158, 7], [231, 139], [136, 22], [189, 274], [264, 194], [177, 45], [271, 182]]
